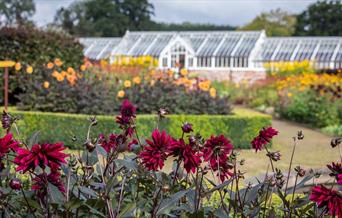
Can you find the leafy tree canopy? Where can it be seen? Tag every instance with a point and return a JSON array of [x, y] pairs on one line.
[[275, 23], [104, 17], [16, 11], [323, 18]]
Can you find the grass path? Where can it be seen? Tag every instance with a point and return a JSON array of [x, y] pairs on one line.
[[314, 151]]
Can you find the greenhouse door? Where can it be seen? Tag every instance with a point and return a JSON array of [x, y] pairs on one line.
[[181, 60]]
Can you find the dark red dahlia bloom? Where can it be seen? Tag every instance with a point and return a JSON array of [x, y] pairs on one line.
[[264, 137], [186, 153], [110, 144], [42, 155], [336, 169], [127, 109], [125, 119], [339, 179], [217, 148], [216, 151], [154, 154], [40, 183], [7, 143], [328, 198]]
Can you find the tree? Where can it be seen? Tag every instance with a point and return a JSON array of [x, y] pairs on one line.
[[16, 11], [323, 18], [275, 23], [104, 17]]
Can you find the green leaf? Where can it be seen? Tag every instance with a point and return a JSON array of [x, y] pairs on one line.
[[55, 194], [88, 191], [127, 210], [34, 139], [129, 164], [168, 203]]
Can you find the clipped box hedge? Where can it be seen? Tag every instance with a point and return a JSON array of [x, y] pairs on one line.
[[241, 127]]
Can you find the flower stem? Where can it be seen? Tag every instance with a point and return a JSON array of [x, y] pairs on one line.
[[290, 166]]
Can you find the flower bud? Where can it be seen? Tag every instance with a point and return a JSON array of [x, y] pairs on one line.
[[300, 135], [15, 184], [6, 120], [90, 146], [93, 121], [275, 156], [300, 171], [162, 112], [187, 127], [336, 141]]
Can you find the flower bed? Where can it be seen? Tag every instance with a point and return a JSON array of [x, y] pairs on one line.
[[240, 127], [121, 175]]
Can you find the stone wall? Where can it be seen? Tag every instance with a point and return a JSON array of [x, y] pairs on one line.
[[231, 75]]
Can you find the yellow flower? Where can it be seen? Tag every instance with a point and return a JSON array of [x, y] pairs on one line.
[[212, 92], [29, 69], [184, 72], [58, 62], [17, 66], [136, 80], [289, 94], [50, 65], [204, 85], [83, 67], [121, 93], [127, 84], [46, 84]]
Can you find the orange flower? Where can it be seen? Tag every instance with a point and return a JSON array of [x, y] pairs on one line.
[[46, 84], [29, 69], [71, 79], [204, 85], [71, 70], [64, 73], [58, 62], [50, 65], [121, 93], [127, 84], [55, 73], [17, 66], [60, 78], [136, 80]]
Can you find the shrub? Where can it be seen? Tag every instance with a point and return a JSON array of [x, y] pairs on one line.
[[33, 48], [307, 107], [240, 127], [100, 93]]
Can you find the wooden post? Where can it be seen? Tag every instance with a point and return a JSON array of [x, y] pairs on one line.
[[6, 88]]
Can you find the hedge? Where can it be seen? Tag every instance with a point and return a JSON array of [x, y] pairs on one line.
[[241, 127]]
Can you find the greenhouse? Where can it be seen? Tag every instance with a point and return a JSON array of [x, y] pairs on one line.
[[218, 50]]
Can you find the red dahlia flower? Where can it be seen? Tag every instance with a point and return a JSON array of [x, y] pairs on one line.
[[336, 170], [42, 155], [217, 148], [154, 154], [127, 114], [110, 144], [7, 143], [127, 109], [328, 198], [264, 137], [339, 179], [186, 153], [41, 181]]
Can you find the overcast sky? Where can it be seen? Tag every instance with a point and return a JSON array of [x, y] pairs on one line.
[[229, 12]]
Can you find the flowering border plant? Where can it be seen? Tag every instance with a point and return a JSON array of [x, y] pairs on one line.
[[124, 175]]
